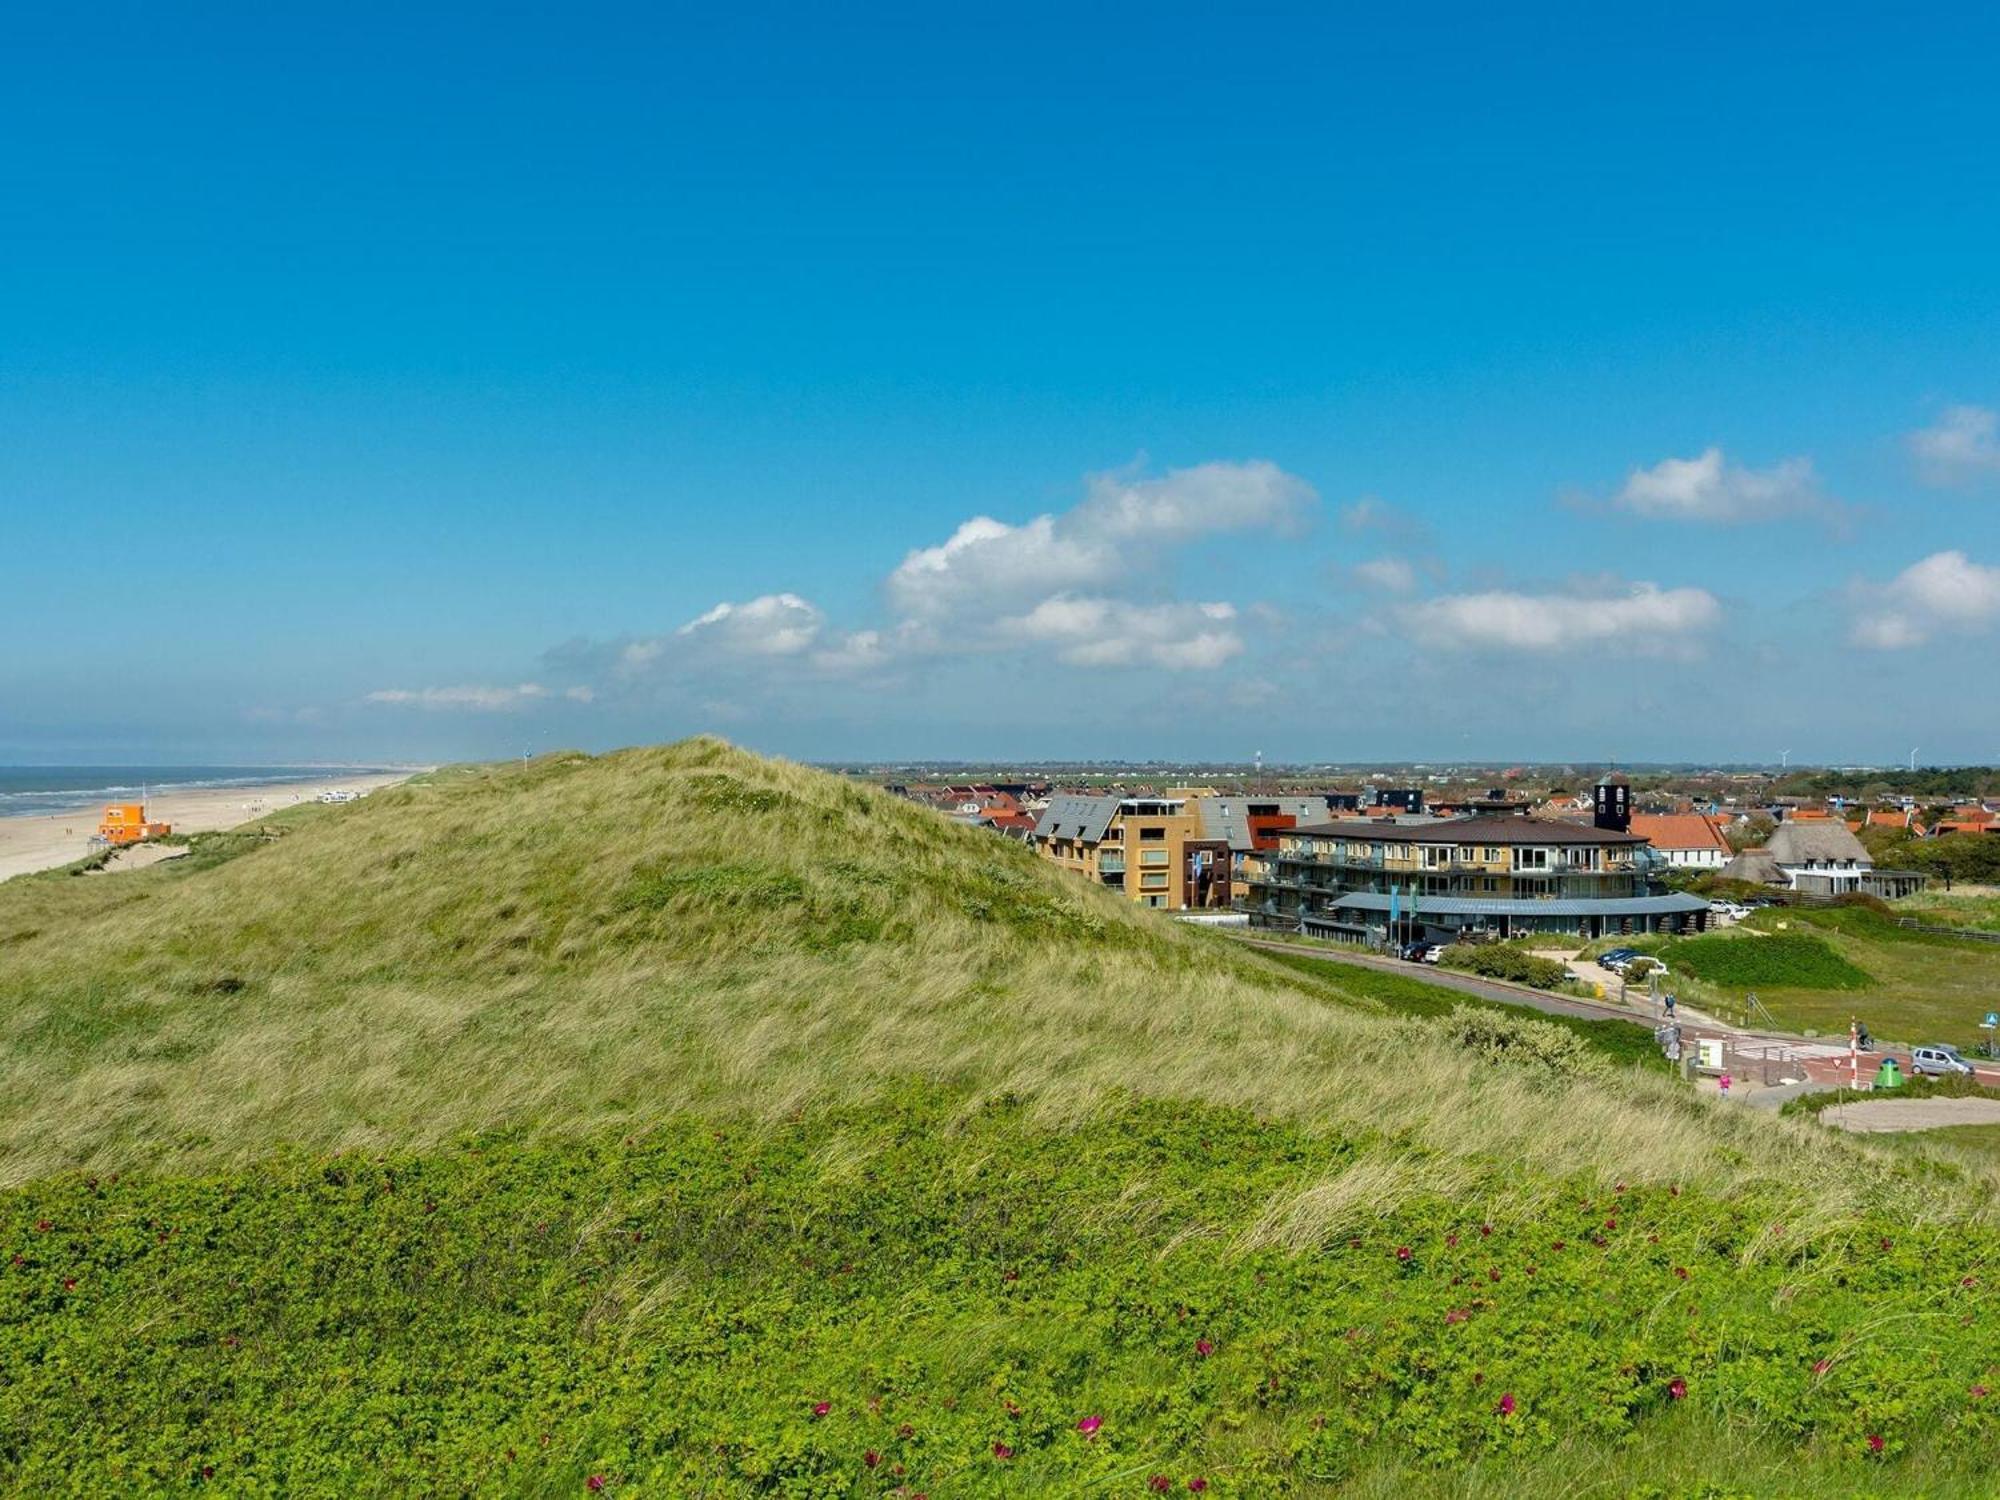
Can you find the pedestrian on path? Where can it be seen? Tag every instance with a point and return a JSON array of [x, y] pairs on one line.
[[1723, 1084], [1670, 1005]]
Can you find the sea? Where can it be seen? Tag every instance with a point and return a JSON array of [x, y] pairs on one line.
[[29, 790]]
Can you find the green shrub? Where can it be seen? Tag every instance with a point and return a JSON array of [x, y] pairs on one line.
[[1514, 1039], [1781, 959], [1504, 961]]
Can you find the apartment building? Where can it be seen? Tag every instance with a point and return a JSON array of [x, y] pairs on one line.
[[1404, 880], [1179, 852]]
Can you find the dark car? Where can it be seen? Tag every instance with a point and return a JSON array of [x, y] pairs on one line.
[[1615, 959]]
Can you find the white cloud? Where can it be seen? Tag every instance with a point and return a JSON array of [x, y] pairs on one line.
[[857, 651], [987, 561], [1641, 617], [1392, 575], [1945, 591], [1187, 503], [474, 699], [1710, 488], [1118, 530], [769, 625], [1095, 632], [1962, 445]]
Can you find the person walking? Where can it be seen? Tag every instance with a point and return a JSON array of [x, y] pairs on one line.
[[1670, 1005], [1723, 1084]]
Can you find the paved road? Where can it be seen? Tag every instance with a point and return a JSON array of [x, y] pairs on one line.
[[1822, 1059]]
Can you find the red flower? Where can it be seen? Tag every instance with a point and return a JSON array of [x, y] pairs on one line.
[[1089, 1425], [1558, 1244], [1682, 1272], [1204, 1348], [1451, 1240], [1677, 1389], [69, 1283], [1456, 1315], [1886, 1242], [906, 1432], [44, 1225], [1402, 1252], [1002, 1452], [1506, 1406], [595, 1482], [1485, 1229], [1821, 1366], [1978, 1392], [1968, 1281], [821, 1408], [1874, 1442], [1197, 1484], [871, 1458], [1159, 1484], [1610, 1223]]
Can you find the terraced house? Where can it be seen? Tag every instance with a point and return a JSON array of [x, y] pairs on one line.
[[1398, 880]]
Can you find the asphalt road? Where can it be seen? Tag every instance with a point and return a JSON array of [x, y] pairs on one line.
[[1824, 1070]]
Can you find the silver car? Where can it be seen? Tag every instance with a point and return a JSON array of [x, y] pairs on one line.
[[1938, 1061]]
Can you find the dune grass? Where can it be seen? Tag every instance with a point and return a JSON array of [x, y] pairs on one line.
[[589, 1115]]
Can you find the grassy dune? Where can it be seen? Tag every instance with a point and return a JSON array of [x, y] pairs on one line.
[[607, 1117]]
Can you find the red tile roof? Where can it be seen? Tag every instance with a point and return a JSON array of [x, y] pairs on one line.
[[1679, 831]]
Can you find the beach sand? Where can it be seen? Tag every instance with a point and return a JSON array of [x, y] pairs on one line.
[[45, 840]]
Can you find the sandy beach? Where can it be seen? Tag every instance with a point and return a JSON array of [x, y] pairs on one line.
[[44, 840]]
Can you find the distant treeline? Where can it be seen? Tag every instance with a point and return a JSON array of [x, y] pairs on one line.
[[1927, 783]]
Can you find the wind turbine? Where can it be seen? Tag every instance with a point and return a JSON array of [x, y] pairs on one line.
[[1784, 760], [1913, 760]]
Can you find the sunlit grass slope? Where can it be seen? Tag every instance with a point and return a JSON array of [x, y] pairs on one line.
[[576, 943], [703, 1125]]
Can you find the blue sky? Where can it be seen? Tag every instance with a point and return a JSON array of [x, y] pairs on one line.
[[422, 381]]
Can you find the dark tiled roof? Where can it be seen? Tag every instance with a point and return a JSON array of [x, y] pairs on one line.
[[1476, 830]]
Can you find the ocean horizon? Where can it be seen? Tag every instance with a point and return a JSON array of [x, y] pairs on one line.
[[28, 791]]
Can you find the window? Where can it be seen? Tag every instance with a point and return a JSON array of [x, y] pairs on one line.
[[1154, 856], [1490, 854], [1531, 859], [1153, 880], [1114, 834], [1489, 885], [1152, 835]]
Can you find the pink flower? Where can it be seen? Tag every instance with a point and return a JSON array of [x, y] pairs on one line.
[[871, 1458], [1402, 1252], [1485, 1229], [1002, 1452], [1506, 1406], [594, 1483], [1159, 1484], [1968, 1281], [1197, 1484], [1677, 1389], [1682, 1272], [1874, 1442], [1451, 1240], [1978, 1392], [1886, 1242], [1204, 1348], [821, 1408], [1821, 1366], [1456, 1315], [1089, 1425]]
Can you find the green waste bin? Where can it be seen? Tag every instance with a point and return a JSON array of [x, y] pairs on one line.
[[1888, 1076]]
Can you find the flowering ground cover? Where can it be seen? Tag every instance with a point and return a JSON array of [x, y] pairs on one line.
[[941, 1299]]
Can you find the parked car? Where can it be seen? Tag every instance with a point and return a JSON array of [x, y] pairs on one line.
[[1733, 911], [1433, 953], [1413, 952], [1615, 959], [1938, 1060]]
